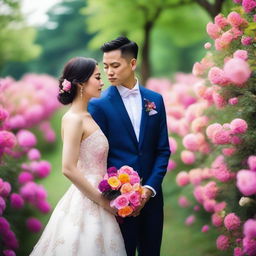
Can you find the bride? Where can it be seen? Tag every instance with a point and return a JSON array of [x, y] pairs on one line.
[[83, 223]]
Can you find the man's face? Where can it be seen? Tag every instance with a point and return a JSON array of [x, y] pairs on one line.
[[118, 69]]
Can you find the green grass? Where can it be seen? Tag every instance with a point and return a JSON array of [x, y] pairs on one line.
[[178, 239]]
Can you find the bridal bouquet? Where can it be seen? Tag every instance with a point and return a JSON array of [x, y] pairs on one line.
[[122, 187]]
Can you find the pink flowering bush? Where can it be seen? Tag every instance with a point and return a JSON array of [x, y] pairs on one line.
[[212, 119], [26, 107]]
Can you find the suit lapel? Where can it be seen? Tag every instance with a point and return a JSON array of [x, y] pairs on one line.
[[118, 104], [144, 117]]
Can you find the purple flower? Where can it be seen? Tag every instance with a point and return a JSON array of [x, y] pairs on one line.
[[250, 228], [25, 177], [248, 5], [112, 170], [43, 206], [10, 240], [3, 114], [232, 221], [4, 225], [2, 205], [33, 225], [5, 189], [9, 253], [43, 169], [17, 201], [104, 186], [7, 139]]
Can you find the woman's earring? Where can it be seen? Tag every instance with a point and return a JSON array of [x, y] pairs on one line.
[[81, 92]]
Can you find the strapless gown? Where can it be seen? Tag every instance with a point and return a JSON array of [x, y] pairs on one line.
[[78, 226]]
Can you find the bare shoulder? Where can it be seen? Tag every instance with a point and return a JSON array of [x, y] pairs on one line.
[[71, 121]]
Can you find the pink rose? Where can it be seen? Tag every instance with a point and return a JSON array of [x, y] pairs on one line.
[[252, 163], [213, 30], [241, 54], [7, 139], [246, 40], [190, 220], [248, 5], [217, 220], [25, 177], [205, 228], [183, 202], [182, 179], [222, 242], [17, 201], [233, 101], [217, 76], [238, 126], [207, 45], [235, 19], [26, 139], [237, 71], [120, 202], [246, 182], [232, 221], [220, 21], [135, 199], [188, 157], [171, 165], [212, 128], [34, 154], [249, 228]]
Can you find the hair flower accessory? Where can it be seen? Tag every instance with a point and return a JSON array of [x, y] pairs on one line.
[[150, 107], [66, 85]]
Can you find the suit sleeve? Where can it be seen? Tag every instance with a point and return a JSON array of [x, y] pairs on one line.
[[99, 116], [162, 154]]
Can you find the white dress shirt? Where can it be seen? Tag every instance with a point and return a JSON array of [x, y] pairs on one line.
[[133, 104]]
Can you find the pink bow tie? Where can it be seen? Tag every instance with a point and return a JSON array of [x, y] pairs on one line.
[[127, 93]]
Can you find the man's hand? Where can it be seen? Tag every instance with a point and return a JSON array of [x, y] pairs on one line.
[[146, 195]]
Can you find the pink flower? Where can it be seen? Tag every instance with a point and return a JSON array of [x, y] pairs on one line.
[[183, 202], [43, 206], [199, 194], [33, 225], [212, 128], [238, 126], [238, 251], [16, 122], [120, 202], [246, 40], [43, 169], [220, 170], [241, 54], [222, 242], [188, 157], [66, 85], [173, 145], [171, 165], [135, 199], [228, 151], [224, 41], [211, 190], [218, 100], [237, 71], [220, 21], [195, 176], [235, 140], [126, 169], [205, 228], [217, 220], [134, 179], [209, 205], [213, 30], [236, 32], [249, 228], [221, 137], [217, 76], [3, 114], [2, 205], [190, 220], [7, 139], [233, 101], [249, 246], [10, 240], [246, 182], [220, 206], [17, 201], [207, 45], [235, 19], [5, 189], [182, 179], [252, 163], [199, 123], [232, 221], [34, 154], [25, 177], [248, 5], [193, 141], [26, 139]]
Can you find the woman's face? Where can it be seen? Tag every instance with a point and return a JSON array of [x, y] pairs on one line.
[[93, 86]]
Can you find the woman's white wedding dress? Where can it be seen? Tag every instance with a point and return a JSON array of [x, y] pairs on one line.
[[78, 226]]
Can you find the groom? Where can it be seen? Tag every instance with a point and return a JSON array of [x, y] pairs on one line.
[[134, 121]]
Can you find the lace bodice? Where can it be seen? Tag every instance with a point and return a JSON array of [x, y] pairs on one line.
[[93, 154]]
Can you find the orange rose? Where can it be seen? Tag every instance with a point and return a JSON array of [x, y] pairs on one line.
[[127, 210], [137, 187], [124, 178], [114, 182], [126, 188]]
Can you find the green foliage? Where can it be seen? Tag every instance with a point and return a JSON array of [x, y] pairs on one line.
[[62, 37], [16, 39]]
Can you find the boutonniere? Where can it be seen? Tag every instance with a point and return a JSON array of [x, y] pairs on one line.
[[150, 107]]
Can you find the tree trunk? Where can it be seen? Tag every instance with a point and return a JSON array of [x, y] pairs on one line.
[[212, 9]]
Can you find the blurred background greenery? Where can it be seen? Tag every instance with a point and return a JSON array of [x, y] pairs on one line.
[[171, 35]]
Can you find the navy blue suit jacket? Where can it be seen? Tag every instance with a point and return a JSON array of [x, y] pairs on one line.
[[149, 156]]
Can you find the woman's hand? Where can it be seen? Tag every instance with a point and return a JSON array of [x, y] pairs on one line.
[[106, 205]]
